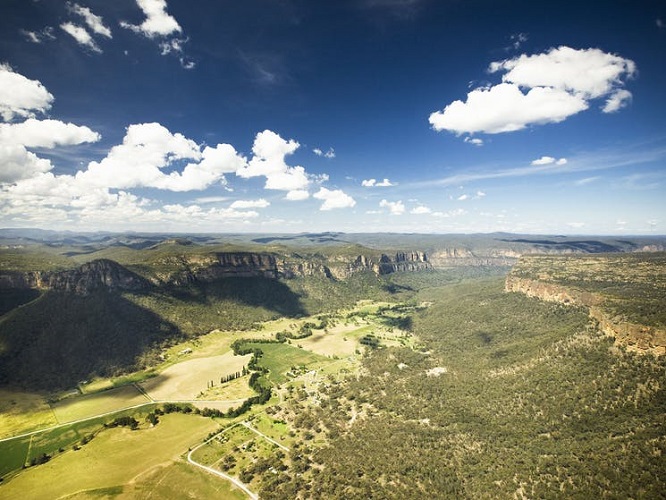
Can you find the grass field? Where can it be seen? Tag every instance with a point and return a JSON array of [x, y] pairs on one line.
[[341, 340], [177, 480], [279, 358], [116, 459], [23, 412], [185, 380], [87, 406]]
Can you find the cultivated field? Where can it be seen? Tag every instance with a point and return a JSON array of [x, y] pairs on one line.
[[69, 410], [186, 380], [22, 412], [115, 459]]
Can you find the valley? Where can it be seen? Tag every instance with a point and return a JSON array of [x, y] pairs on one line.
[[330, 369]]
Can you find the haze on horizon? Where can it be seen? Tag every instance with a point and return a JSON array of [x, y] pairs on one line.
[[353, 116]]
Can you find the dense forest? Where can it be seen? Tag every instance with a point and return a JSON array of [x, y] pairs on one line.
[[507, 396]]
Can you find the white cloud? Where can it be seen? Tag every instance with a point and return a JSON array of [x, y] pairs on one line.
[[215, 162], [474, 140], [328, 154], [549, 160], [480, 194], [260, 203], [158, 22], [17, 163], [463, 197], [39, 36], [297, 195], [617, 101], [395, 207], [81, 35], [544, 160], [590, 72], [146, 148], [95, 23], [374, 183], [420, 210], [269, 161], [20, 96], [335, 198], [34, 133], [518, 39], [451, 213], [505, 108], [539, 89]]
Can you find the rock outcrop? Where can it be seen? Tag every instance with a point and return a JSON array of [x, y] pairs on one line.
[[100, 274], [633, 336], [183, 269]]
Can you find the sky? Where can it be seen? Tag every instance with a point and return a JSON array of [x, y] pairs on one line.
[[288, 116]]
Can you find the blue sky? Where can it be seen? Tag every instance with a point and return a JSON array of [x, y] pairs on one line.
[[429, 116]]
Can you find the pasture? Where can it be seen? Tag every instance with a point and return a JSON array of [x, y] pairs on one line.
[[76, 408], [116, 459], [184, 381], [22, 412], [279, 358]]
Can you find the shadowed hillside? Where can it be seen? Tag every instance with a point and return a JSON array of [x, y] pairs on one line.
[[62, 338]]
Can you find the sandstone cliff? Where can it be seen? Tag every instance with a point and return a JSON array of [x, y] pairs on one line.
[[633, 336], [95, 275], [183, 269]]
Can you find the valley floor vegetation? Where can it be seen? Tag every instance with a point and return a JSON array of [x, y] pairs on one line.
[[437, 385]]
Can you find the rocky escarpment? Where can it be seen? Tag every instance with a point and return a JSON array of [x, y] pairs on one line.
[[459, 256], [96, 275], [343, 268], [183, 269], [633, 336]]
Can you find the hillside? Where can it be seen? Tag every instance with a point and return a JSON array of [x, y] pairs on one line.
[[624, 293]]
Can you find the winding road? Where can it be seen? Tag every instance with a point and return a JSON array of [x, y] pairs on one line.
[[219, 473]]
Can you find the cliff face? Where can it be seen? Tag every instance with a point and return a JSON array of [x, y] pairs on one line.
[[95, 275], [633, 336], [458, 256], [180, 270]]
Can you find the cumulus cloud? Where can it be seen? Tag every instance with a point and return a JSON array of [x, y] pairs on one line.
[[539, 89], [268, 161], [260, 203], [505, 108], [18, 163], [158, 22], [34, 133], [20, 96], [394, 207], [297, 195], [148, 148], [374, 183], [149, 156], [463, 197], [334, 198], [549, 160], [159, 25], [215, 162]]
